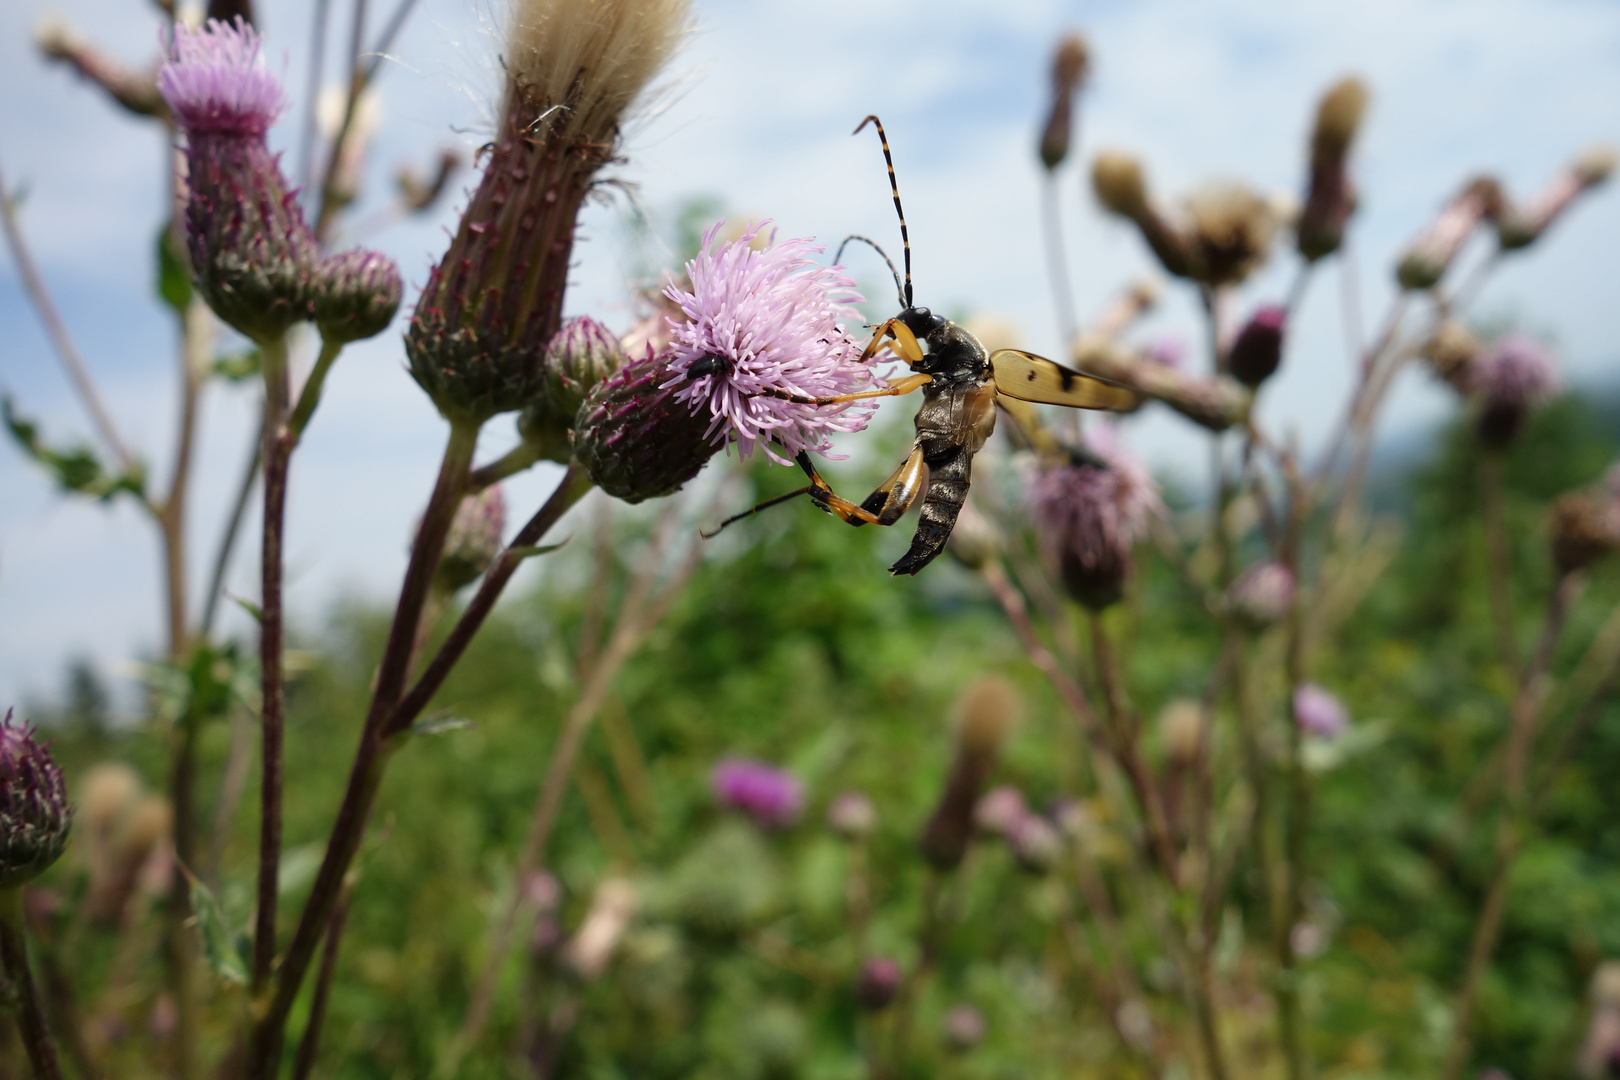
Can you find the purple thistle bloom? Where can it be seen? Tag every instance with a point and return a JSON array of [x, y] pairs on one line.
[[767, 321], [1090, 511], [214, 81], [34, 813], [770, 796], [1511, 376], [1262, 594], [1319, 713]]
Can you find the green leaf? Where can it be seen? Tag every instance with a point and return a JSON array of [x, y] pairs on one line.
[[248, 606], [221, 947], [530, 551], [173, 271], [438, 724], [238, 367], [75, 468]]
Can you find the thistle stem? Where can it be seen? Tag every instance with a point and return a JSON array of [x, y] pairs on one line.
[[36, 1036], [1500, 560], [514, 461], [310, 395]]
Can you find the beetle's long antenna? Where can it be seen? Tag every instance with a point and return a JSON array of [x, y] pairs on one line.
[[838, 259], [894, 186], [766, 505]]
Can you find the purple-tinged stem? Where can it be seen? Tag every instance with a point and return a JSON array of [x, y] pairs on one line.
[[1500, 563], [36, 1036], [309, 1045]]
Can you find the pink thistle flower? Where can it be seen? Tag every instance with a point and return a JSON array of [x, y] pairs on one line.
[[1319, 713], [768, 795], [766, 322], [214, 80], [1511, 377], [1262, 594], [1090, 511]]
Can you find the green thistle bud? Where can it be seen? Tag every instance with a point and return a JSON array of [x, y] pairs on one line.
[[34, 813], [582, 354], [635, 440], [474, 539], [355, 295]]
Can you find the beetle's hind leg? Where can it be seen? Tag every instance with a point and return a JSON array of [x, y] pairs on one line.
[[885, 506]]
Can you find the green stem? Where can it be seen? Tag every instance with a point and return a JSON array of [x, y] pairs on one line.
[[514, 461], [14, 952], [310, 395]]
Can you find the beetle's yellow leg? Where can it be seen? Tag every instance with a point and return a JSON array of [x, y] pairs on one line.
[[894, 389]]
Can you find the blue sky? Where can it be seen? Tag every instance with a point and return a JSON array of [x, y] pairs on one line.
[[758, 111]]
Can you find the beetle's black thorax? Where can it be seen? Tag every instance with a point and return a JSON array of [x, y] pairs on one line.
[[952, 356]]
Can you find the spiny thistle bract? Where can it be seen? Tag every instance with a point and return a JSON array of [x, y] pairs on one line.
[[35, 817]]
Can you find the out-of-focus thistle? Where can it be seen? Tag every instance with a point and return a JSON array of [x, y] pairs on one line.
[[1585, 528], [581, 355], [999, 809], [1121, 186], [1450, 352], [975, 541], [988, 711], [34, 813], [963, 1028], [1331, 197], [593, 945], [1257, 350], [1069, 66], [761, 322], [1601, 1044], [877, 984], [1262, 595], [1089, 512], [355, 295], [770, 796], [851, 815], [1428, 257], [1319, 713], [495, 299], [474, 539], [1510, 377], [135, 90], [1035, 843], [1216, 403], [634, 440], [1522, 225], [252, 256]]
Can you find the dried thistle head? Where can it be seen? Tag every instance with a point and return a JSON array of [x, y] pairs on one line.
[[1584, 530], [1232, 227], [1338, 116], [986, 714], [1450, 352], [1068, 72], [1120, 182], [1331, 197]]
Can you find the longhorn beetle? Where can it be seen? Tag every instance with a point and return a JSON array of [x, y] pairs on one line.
[[959, 381]]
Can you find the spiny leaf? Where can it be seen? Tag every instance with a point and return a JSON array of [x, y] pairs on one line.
[[221, 947], [530, 551], [75, 468]]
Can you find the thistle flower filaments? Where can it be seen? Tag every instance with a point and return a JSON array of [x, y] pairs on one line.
[[1429, 256], [34, 813], [252, 256], [1521, 226], [495, 299], [355, 295], [1068, 73], [1319, 713], [1257, 350], [1510, 377], [1089, 512], [764, 322], [634, 440], [474, 539], [1331, 197], [770, 796]]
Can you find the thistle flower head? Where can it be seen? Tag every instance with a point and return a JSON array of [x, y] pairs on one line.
[[583, 353], [762, 323], [1318, 712], [1035, 843], [1585, 528], [1257, 350], [1068, 72], [1261, 595], [34, 813], [474, 539], [1089, 512], [356, 295], [1450, 352], [215, 80], [1231, 231], [1119, 182], [851, 815], [770, 796], [634, 439], [964, 1028], [878, 983], [999, 809], [1430, 254], [1510, 377]]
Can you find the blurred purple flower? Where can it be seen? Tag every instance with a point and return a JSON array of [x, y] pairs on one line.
[[1262, 594], [214, 80], [1511, 376], [1319, 713], [964, 1027], [34, 813], [999, 810], [770, 796], [1090, 511], [1257, 349], [1171, 352], [766, 321], [878, 983]]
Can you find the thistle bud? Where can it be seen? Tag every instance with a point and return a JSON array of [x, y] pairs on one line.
[[987, 713], [355, 295], [1521, 226], [1583, 530], [635, 440], [1068, 72], [34, 813], [1331, 197], [474, 539], [1035, 843], [1232, 229], [1262, 595], [1450, 352], [974, 541], [1121, 187], [581, 355], [964, 1028], [1181, 730], [1319, 713], [495, 300], [252, 256], [852, 815], [1510, 377], [1429, 256], [877, 984], [1089, 513], [1257, 351]]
